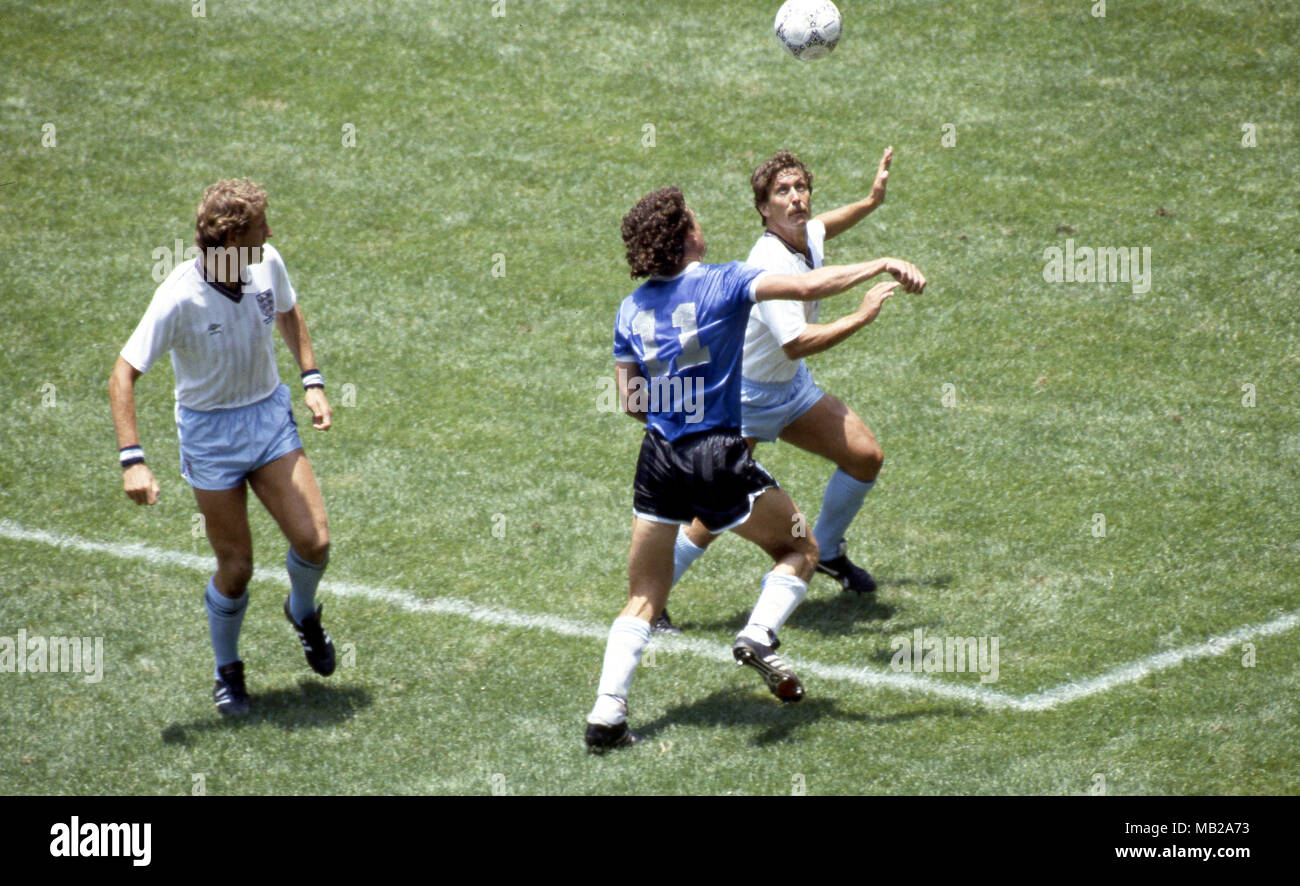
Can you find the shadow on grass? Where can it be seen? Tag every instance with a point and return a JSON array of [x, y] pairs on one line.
[[919, 581], [777, 722], [309, 706], [831, 613]]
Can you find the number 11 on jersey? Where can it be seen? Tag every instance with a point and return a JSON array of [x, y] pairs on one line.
[[643, 324]]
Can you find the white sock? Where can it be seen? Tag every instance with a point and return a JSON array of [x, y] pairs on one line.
[[609, 711], [628, 638], [781, 593], [685, 552]]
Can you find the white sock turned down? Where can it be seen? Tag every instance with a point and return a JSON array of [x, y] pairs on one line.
[[628, 638], [781, 593]]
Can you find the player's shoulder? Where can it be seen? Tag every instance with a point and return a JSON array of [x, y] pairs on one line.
[[736, 268], [271, 256], [182, 283], [733, 275], [769, 253], [630, 305], [815, 231], [730, 267]]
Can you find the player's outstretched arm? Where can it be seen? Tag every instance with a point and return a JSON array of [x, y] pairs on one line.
[[837, 221], [819, 337], [137, 481], [631, 385], [293, 329], [834, 279]]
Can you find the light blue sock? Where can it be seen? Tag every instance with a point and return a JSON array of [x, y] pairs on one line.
[[303, 579], [225, 617], [685, 552], [840, 505]]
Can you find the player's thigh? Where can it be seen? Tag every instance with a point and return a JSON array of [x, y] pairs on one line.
[[699, 534], [288, 489], [835, 432], [776, 525], [225, 520]]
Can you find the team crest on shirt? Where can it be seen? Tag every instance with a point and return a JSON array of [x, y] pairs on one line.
[[266, 302]]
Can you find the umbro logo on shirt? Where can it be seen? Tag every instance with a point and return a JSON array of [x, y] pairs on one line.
[[214, 328]]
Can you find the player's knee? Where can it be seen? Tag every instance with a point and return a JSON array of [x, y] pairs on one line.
[[865, 463], [237, 572], [316, 549]]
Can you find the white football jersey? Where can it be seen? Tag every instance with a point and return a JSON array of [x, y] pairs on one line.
[[775, 323], [223, 349]]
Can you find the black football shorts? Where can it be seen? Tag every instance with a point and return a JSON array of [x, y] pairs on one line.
[[710, 475]]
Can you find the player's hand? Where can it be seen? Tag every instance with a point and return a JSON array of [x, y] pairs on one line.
[[875, 297], [320, 408], [907, 274], [882, 176], [139, 484]]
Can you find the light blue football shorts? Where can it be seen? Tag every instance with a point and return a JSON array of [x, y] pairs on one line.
[[220, 448], [768, 409]]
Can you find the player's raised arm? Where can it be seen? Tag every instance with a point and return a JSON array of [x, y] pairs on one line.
[[834, 279], [293, 329], [818, 337], [837, 221], [137, 480]]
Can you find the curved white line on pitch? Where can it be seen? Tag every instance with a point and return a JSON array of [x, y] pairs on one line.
[[1038, 701]]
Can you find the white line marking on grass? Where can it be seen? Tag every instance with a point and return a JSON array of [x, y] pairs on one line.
[[495, 615], [1161, 661]]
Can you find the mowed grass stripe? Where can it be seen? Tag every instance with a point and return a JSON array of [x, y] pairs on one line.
[[495, 615]]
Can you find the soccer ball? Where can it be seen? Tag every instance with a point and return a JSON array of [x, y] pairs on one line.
[[809, 29]]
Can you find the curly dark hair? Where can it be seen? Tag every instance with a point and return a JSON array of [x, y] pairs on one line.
[[767, 172], [654, 233]]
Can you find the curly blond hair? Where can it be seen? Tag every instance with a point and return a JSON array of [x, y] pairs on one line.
[[230, 206]]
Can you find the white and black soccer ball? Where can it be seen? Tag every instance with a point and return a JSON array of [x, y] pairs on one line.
[[809, 29]]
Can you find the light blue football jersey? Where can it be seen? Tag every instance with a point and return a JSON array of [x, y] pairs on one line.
[[687, 334]]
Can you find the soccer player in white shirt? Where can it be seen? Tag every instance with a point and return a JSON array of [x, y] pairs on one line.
[[234, 418], [779, 398]]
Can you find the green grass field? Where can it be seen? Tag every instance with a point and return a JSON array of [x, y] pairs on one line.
[[516, 143]]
